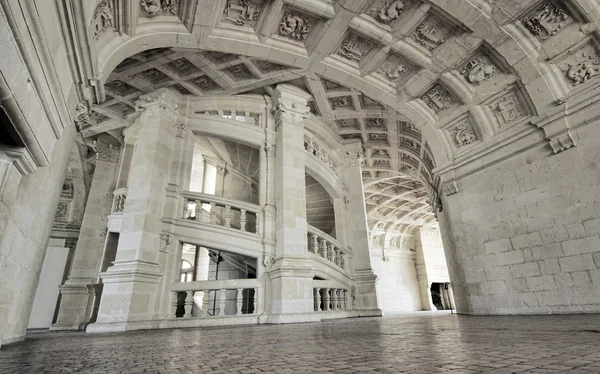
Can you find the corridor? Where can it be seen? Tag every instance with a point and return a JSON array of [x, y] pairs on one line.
[[406, 343]]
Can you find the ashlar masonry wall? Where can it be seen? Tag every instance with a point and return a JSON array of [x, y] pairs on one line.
[[523, 236]]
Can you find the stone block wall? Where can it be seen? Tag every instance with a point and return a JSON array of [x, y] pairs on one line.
[[523, 236], [397, 285]]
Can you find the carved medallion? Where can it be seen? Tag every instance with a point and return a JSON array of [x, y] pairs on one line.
[[388, 11], [431, 33], [242, 12], [507, 109], [463, 133], [438, 99], [355, 48], [547, 20], [477, 70], [294, 26]]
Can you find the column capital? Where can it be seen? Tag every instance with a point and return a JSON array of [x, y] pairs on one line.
[[291, 105]]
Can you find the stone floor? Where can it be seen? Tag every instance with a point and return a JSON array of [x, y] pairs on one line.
[[416, 343]]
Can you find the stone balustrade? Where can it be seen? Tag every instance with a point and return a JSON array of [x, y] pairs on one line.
[[205, 299], [319, 152], [331, 299], [240, 116], [120, 197], [221, 211], [323, 245]]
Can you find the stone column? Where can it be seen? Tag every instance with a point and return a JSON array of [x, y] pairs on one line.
[[77, 294], [131, 291], [357, 232], [291, 279]]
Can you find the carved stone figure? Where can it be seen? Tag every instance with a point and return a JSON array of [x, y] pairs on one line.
[[478, 70], [341, 102], [294, 26], [242, 12], [547, 20], [582, 71], [463, 134], [392, 71], [389, 11], [153, 7]]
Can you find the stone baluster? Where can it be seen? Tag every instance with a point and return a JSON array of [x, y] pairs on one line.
[[227, 216], [339, 299], [240, 301], [330, 252], [337, 256], [322, 248], [325, 299], [189, 303], [314, 243], [222, 301], [342, 261], [255, 300], [198, 210], [185, 207], [317, 299], [345, 299], [333, 299], [258, 227], [213, 213], [243, 219], [175, 303], [205, 300]]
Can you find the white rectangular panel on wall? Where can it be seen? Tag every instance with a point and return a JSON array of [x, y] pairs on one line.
[[46, 295]]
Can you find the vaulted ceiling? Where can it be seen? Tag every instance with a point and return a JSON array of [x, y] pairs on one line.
[[420, 83]]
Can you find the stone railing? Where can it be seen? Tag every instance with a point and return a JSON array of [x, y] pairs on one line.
[[246, 117], [319, 152], [119, 200], [221, 211], [205, 299], [326, 247], [331, 299]]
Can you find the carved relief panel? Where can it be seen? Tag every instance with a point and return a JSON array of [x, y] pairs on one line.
[[508, 109], [387, 11], [104, 18], [432, 32], [151, 8], [341, 102], [463, 133], [581, 66], [547, 19], [439, 99], [355, 47], [477, 69], [395, 69], [296, 25], [243, 12]]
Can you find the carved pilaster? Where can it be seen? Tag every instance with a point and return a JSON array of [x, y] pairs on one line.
[[165, 241]]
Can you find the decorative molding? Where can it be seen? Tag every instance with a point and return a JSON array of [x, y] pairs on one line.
[[82, 116], [165, 241], [353, 159], [450, 187], [562, 142], [103, 18], [180, 129], [314, 149], [156, 100], [153, 7], [294, 26], [268, 261]]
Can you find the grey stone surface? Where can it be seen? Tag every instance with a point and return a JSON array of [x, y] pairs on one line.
[[411, 343]]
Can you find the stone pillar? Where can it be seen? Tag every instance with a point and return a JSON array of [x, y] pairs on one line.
[[357, 232], [291, 276], [77, 294], [131, 287]]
